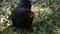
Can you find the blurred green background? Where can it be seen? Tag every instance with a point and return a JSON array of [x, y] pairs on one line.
[[46, 20]]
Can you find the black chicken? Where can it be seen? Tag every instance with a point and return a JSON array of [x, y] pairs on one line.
[[22, 16]]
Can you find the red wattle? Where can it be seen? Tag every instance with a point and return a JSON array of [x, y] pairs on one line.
[[33, 12]]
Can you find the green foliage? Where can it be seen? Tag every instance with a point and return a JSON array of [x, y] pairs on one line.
[[46, 20]]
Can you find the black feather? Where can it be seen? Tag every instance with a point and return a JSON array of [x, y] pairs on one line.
[[20, 17]]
